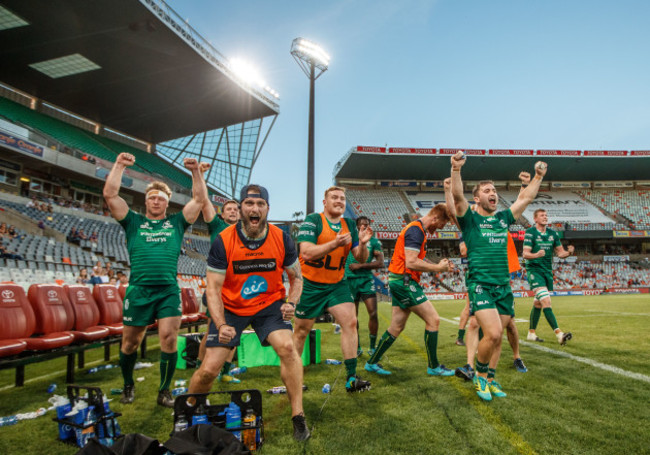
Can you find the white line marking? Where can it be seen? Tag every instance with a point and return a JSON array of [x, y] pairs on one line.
[[593, 363]]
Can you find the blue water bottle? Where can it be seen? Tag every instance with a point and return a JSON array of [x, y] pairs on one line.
[[233, 419], [200, 415], [326, 388]]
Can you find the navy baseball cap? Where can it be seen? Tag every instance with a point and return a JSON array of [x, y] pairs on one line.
[[253, 191]]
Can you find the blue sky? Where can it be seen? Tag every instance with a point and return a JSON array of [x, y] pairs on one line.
[[540, 74]]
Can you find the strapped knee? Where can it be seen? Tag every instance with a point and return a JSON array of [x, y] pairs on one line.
[[542, 293]]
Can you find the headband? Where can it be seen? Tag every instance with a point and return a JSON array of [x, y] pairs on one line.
[[158, 193]]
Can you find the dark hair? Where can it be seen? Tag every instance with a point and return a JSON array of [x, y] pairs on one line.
[[362, 218], [478, 186]]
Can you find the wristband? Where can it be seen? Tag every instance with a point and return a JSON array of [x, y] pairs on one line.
[[292, 304], [524, 185]]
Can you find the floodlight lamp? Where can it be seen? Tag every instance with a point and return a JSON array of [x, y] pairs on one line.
[[310, 53]]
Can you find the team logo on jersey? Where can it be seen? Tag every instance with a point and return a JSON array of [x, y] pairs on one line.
[[503, 224], [145, 225], [254, 286], [412, 288], [478, 289], [167, 225], [126, 304], [551, 238]]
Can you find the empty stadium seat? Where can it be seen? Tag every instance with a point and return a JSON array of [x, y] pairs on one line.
[[109, 304], [18, 322], [86, 314], [190, 305]]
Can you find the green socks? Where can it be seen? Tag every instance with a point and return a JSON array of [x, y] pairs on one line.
[[350, 367], [385, 342], [127, 364], [491, 373], [167, 368], [226, 368], [431, 343], [535, 313], [481, 367], [373, 341], [461, 334], [550, 317]]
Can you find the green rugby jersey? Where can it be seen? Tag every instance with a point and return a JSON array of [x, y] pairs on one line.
[[215, 226], [546, 241], [154, 247], [487, 246], [373, 246]]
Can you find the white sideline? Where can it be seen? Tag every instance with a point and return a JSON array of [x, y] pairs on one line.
[[593, 363]]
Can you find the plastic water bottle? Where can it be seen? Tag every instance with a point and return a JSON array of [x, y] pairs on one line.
[[200, 415], [181, 424], [179, 391], [101, 368], [180, 383], [233, 419], [333, 362], [238, 370], [89, 421], [51, 388], [7, 421], [327, 388], [277, 390], [249, 436]]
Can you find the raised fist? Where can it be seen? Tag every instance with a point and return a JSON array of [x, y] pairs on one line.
[[540, 168], [524, 177], [125, 159], [458, 160], [191, 164], [204, 167], [447, 183], [570, 249]]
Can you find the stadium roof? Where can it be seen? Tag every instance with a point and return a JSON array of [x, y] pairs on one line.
[[379, 163], [120, 63]]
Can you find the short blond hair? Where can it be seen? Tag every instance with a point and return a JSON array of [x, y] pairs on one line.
[[334, 188], [160, 186], [230, 201]]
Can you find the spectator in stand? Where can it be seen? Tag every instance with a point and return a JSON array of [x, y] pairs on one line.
[[110, 273], [103, 276], [95, 278], [113, 280], [82, 235], [12, 233], [41, 225], [124, 279], [97, 268], [3, 230], [7, 254], [83, 277], [73, 236], [32, 203], [93, 237]]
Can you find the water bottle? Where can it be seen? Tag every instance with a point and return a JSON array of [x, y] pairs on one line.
[[233, 419], [327, 388], [238, 370], [249, 436], [51, 388], [200, 415], [277, 389], [7, 421], [62, 406], [179, 391], [180, 383], [333, 362], [89, 423], [181, 424]]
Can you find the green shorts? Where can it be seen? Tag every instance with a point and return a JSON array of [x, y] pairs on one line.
[[144, 304], [361, 287], [539, 279], [406, 296], [317, 297], [482, 297]]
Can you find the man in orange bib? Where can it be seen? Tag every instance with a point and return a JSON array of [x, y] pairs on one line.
[[325, 240], [245, 286]]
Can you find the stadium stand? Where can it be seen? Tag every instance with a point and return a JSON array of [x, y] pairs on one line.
[[633, 205], [386, 208]]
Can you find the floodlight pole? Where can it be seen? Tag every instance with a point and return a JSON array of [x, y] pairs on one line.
[[310, 146], [314, 62]]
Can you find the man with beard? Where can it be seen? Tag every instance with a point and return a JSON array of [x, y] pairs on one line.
[[406, 267], [325, 240], [485, 232], [245, 286], [540, 242], [154, 243]]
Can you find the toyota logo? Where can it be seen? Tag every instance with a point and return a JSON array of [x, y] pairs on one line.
[[7, 294], [80, 294], [52, 294], [109, 293]]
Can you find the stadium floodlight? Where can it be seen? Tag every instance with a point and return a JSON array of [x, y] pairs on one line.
[[310, 57]]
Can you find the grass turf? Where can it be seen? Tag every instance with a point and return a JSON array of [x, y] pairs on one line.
[[559, 406]]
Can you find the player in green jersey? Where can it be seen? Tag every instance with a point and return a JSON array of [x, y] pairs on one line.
[[362, 286], [154, 243], [540, 243], [216, 224], [485, 232]]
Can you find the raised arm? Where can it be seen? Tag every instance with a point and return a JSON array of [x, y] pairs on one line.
[[199, 191], [208, 209], [118, 206], [449, 200], [528, 194], [360, 252], [460, 203]]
